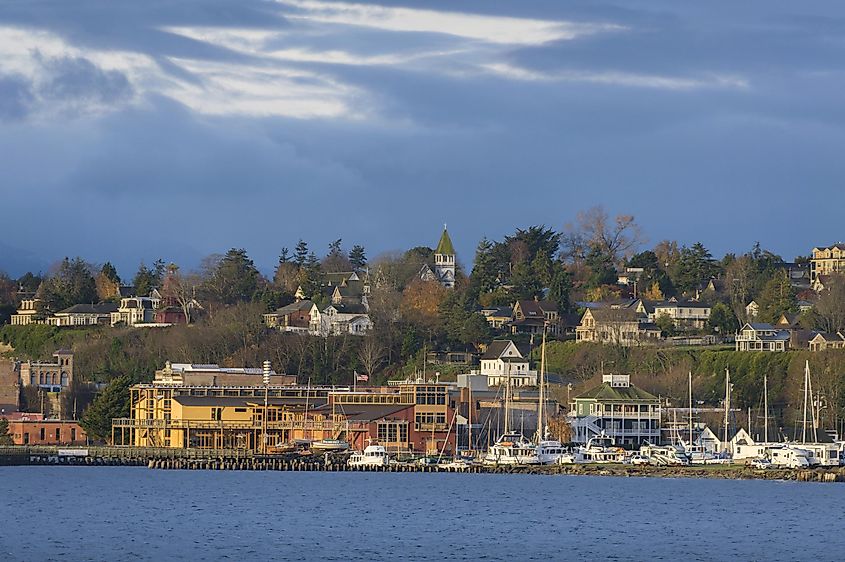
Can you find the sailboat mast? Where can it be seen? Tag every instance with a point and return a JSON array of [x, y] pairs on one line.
[[508, 398], [806, 380], [765, 408], [727, 402], [541, 425], [690, 408], [469, 416]]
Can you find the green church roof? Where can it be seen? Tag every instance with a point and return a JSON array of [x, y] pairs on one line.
[[444, 247]]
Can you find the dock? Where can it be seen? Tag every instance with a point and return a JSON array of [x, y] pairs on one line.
[[235, 459]]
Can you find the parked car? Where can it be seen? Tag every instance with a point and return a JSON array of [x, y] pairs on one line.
[[761, 463], [638, 459]]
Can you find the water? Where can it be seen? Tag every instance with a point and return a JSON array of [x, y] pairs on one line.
[[103, 513]]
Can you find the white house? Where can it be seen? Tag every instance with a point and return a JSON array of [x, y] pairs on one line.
[[504, 359], [762, 337], [337, 319], [685, 315]]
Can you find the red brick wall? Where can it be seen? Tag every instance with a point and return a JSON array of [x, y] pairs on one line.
[[67, 429]]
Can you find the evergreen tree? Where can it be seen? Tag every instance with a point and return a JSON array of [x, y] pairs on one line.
[[560, 288], [284, 256], [722, 319], [300, 253], [73, 283], [5, 438], [109, 272], [483, 278], [236, 277], [357, 257], [777, 297], [112, 402], [147, 279]]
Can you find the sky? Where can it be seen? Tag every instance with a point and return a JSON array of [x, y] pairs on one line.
[[134, 130]]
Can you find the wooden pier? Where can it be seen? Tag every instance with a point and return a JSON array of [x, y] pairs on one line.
[[210, 459]]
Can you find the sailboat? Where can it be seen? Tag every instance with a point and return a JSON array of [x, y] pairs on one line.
[[694, 452], [512, 447], [548, 451]]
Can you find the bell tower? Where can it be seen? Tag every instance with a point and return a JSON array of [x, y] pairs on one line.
[[444, 260]]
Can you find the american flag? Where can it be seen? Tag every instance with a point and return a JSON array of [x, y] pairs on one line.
[[361, 377]]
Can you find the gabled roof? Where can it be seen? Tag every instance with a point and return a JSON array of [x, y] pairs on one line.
[[445, 247], [614, 314], [498, 347], [829, 337]]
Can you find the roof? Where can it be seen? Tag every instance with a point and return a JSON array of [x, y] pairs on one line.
[[498, 347], [606, 392], [445, 247], [614, 314], [828, 336], [102, 308], [349, 308], [243, 401], [682, 304], [502, 311], [294, 307], [536, 309]]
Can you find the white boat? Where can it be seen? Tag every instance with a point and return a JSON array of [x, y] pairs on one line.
[[372, 455], [548, 451], [512, 449], [330, 445], [600, 449], [667, 455]]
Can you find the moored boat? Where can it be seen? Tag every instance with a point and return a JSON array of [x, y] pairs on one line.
[[329, 445], [372, 455]]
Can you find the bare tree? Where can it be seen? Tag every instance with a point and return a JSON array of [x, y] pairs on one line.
[[829, 312], [181, 289], [617, 237], [371, 354]]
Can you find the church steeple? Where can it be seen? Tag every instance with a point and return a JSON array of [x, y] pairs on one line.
[[444, 260]]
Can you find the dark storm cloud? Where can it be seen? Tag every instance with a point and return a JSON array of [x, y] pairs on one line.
[[718, 122]]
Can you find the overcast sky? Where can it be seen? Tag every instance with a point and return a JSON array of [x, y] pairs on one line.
[[135, 130]]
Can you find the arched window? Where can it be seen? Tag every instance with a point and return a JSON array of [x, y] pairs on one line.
[[64, 379]]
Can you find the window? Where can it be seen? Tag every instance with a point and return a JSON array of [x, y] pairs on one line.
[[216, 414], [58, 434], [43, 434], [26, 438], [73, 434], [240, 410]]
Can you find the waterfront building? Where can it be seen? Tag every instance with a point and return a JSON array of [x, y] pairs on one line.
[[30, 429], [211, 407], [618, 409]]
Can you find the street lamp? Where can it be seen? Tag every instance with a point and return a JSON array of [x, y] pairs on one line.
[[266, 377]]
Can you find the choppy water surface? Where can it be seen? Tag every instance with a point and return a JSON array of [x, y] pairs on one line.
[[85, 513]]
